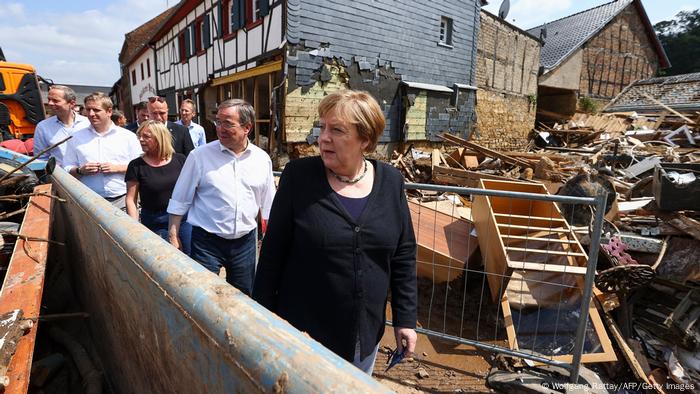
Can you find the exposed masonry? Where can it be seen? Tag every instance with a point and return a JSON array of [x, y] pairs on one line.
[[618, 55], [379, 44], [506, 75]]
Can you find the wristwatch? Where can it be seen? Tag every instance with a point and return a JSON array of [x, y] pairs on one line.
[[77, 171]]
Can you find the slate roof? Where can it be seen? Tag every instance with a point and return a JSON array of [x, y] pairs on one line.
[[566, 35], [680, 92], [137, 39]]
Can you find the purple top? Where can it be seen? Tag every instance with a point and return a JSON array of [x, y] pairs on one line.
[[354, 206]]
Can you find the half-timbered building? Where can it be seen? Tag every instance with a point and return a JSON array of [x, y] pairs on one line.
[[590, 56], [210, 51], [283, 56]]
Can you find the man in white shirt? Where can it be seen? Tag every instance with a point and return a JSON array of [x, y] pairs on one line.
[[61, 100], [187, 113], [222, 188], [99, 154]]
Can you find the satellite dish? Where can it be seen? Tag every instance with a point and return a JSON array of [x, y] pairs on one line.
[[503, 11]]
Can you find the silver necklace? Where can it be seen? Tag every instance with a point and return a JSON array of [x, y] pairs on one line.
[[350, 181]]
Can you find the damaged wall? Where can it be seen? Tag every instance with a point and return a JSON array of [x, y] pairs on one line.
[[618, 55], [378, 45], [506, 75]]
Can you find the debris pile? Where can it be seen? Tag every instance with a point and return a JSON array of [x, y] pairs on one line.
[[647, 287]]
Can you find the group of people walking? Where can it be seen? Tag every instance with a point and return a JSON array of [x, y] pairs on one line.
[[338, 234]]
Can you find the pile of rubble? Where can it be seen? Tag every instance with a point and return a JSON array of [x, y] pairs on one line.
[[648, 275]]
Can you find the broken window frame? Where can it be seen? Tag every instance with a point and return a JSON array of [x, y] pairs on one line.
[[268, 75], [445, 37]]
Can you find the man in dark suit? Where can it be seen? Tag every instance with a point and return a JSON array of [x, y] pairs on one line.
[[141, 116], [158, 110]]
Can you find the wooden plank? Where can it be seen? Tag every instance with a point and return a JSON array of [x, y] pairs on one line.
[[606, 355], [539, 239], [486, 151], [667, 108], [551, 219], [435, 157], [541, 267], [545, 251], [24, 283], [552, 230], [456, 176], [627, 352], [445, 243]]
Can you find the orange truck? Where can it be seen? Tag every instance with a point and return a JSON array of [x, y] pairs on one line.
[[21, 105]]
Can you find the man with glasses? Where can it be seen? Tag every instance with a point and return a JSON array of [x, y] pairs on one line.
[[187, 113], [222, 188], [158, 111]]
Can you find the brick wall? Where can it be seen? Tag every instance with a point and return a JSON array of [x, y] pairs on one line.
[[619, 54]]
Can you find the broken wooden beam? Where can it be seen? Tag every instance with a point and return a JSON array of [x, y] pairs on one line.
[[486, 151], [667, 108], [459, 177]]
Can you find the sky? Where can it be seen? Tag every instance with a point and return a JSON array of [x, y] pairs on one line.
[[531, 13], [78, 41]]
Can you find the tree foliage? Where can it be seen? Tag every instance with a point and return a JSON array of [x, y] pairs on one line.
[[681, 40]]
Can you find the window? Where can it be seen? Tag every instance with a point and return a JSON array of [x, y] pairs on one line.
[[133, 77], [142, 71], [182, 44], [198, 24], [255, 10], [216, 21], [445, 31], [192, 42], [148, 67]]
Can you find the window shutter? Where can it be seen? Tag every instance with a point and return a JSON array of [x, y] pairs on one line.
[[206, 32], [186, 40], [241, 13], [234, 18], [219, 20], [264, 7]]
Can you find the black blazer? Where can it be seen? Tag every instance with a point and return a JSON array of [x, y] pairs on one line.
[[182, 142], [329, 275], [133, 126]]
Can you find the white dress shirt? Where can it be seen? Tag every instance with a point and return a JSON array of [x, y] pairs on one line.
[[51, 130], [116, 146], [222, 193], [197, 133]]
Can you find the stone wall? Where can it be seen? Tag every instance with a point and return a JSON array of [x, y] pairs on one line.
[[506, 75], [508, 58], [618, 55], [503, 120]]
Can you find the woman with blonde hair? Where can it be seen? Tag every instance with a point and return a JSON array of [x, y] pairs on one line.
[[340, 237], [152, 177]]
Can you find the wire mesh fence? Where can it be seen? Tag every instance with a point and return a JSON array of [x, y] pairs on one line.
[[502, 268]]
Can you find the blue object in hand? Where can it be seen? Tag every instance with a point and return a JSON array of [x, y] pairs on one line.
[[394, 358]]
